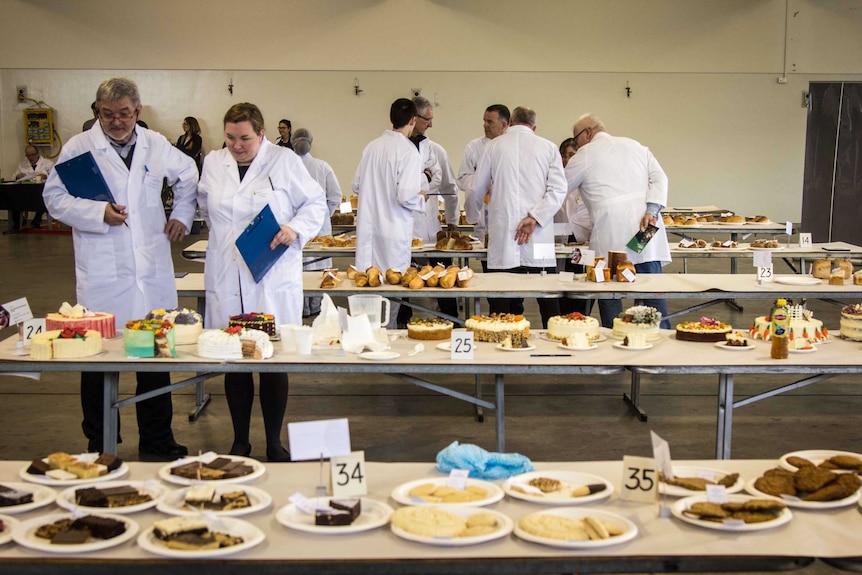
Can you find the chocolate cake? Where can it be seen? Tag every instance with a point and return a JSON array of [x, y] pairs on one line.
[[112, 462], [9, 496], [100, 527], [332, 517], [71, 537], [352, 506], [219, 468], [38, 467]]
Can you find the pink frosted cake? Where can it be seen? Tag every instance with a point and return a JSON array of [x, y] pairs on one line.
[[79, 317]]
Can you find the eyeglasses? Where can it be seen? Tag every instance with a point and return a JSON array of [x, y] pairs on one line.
[[123, 116], [424, 118]]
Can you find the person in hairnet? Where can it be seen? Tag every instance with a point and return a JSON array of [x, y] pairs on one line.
[[324, 175]]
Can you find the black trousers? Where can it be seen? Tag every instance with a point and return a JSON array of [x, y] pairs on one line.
[[154, 415], [548, 307]]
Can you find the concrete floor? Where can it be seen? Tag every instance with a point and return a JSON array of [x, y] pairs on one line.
[[580, 418]]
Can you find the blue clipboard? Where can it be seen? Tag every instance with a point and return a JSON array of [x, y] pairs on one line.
[[83, 178], [253, 244]]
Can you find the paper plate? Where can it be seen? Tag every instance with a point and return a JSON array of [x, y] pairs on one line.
[[379, 355], [544, 335], [591, 347], [629, 529], [401, 494], [257, 466], [765, 249], [42, 496], [505, 526], [500, 347], [9, 524], [157, 492], [24, 534], [705, 472], [252, 536], [723, 345], [174, 503], [806, 349], [797, 503], [374, 514], [619, 345], [445, 346], [679, 506], [46, 480], [797, 280], [815, 456], [563, 497]]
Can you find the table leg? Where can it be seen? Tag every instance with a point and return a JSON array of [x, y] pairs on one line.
[[202, 398], [634, 399], [501, 412], [110, 412], [724, 419], [733, 269], [480, 414]]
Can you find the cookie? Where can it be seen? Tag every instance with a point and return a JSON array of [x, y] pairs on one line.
[[554, 527], [424, 489], [482, 519], [478, 531], [428, 521]]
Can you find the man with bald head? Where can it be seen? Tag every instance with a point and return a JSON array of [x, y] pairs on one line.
[[36, 168], [624, 189]]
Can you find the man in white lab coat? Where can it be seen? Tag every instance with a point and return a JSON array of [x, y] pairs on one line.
[[495, 122], [387, 183], [122, 250], [524, 174], [624, 189], [324, 175], [33, 168]]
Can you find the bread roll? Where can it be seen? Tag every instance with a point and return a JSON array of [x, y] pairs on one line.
[[351, 272], [464, 277], [822, 269], [623, 266], [425, 271], [374, 279], [360, 279], [393, 277], [837, 278], [735, 219], [448, 280], [416, 283], [433, 280], [331, 279], [408, 277], [668, 221]]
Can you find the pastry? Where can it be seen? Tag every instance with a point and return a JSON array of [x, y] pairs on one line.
[[331, 279]]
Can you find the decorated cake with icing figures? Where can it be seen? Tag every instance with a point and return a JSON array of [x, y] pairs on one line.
[[234, 343], [563, 326], [851, 322], [149, 338], [255, 320], [804, 329], [188, 324], [79, 317], [638, 319], [69, 343]]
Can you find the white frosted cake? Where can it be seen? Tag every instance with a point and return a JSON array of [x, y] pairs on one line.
[[65, 344], [804, 329], [638, 319], [497, 327], [188, 324], [234, 343], [563, 326], [851, 322]]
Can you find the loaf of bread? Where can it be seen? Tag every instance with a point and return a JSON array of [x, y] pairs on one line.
[[464, 276], [331, 278], [857, 278], [623, 266], [845, 266], [822, 269], [837, 278]]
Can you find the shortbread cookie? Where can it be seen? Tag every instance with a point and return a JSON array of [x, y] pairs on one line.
[[554, 527], [428, 521]]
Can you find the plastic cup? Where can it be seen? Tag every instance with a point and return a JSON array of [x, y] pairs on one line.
[[288, 343], [302, 335]]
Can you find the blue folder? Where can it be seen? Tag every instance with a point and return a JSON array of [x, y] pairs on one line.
[[83, 178], [253, 244]]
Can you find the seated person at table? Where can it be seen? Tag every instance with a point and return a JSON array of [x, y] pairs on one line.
[[35, 168]]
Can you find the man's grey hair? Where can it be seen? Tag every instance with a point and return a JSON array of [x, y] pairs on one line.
[[301, 140], [422, 105], [524, 115], [592, 121], [115, 89]]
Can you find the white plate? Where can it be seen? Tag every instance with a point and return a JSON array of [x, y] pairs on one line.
[[815, 456], [571, 478], [379, 355], [544, 335], [765, 249], [401, 494], [760, 223], [683, 250], [592, 346], [9, 524], [374, 514], [42, 496], [806, 349], [251, 535], [46, 480], [619, 345], [738, 248], [445, 346], [799, 503], [677, 509], [797, 280], [723, 345], [506, 526], [173, 504], [705, 472], [500, 347], [66, 498], [728, 223], [630, 530], [25, 535], [165, 471]]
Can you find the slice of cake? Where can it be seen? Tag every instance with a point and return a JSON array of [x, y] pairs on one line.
[[577, 341], [851, 322], [199, 496], [635, 339], [735, 339], [10, 496], [100, 527]]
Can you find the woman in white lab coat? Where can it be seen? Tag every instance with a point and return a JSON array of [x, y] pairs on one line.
[[237, 182]]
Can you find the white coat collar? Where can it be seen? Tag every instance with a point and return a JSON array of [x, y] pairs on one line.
[[259, 165]]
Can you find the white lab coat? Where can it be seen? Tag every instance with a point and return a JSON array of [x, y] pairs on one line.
[[577, 214], [388, 188], [427, 224], [125, 270], [323, 174], [275, 177], [617, 177], [27, 171], [525, 174], [466, 172]]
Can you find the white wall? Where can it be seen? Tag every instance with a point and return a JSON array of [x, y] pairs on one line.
[[703, 73]]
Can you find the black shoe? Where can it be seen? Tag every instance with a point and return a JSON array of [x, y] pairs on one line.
[[240, 450], [280, 454], [165, 451]]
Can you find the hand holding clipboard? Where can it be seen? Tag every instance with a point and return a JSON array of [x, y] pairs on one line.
[[254, 241], [83, 179]]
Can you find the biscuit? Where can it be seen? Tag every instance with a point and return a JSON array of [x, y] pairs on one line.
[[480, 492], [428, 521], [596, 529], [554, 527], [846, 461], [424, 489], [482, 519], [457, 497], [444, 491], [478, 530]]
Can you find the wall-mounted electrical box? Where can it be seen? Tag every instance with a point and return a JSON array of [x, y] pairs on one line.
[[39, 125]]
